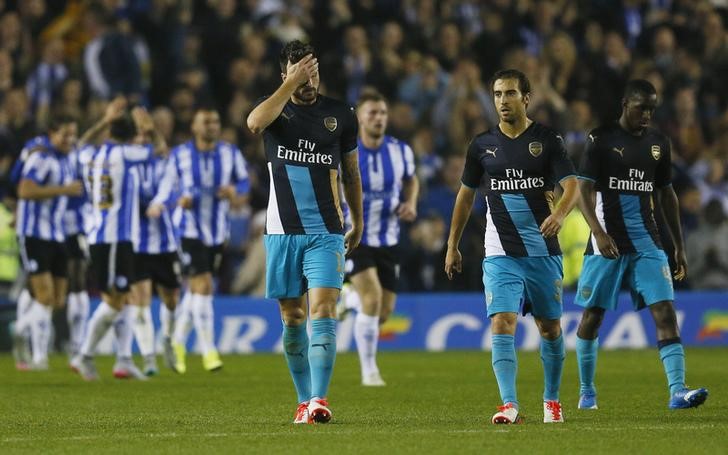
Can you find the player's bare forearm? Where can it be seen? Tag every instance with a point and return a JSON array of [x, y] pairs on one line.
[[159, 143], [411, 190], [351, 181], [460, 214], [587, 205], [569, 197], [28, 189], [671, 210], [266, 112], [94, 134]]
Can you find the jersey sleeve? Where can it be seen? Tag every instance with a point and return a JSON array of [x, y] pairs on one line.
[[349, 132], [35, 168], [561, 165], [168, 183], [589, 166], [409, 161], [240, 172], [473, 171], [137, 153], [663, 173]]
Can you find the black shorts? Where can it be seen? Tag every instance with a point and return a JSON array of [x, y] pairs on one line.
[[163, 269], [385, 259], [77, 247], [113, 265], [41, 256], [199, 258]]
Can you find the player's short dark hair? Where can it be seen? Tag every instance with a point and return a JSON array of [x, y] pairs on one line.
[[123, 129], [369, 95], [293, 52], [58, 120], [637, 87], [524, 85]]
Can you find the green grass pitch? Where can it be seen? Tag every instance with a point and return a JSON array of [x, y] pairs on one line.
[[433, 403]]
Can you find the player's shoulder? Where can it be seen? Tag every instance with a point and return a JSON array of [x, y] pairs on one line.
[[656, 135], [484, 138], [606, 133], [545, 133], [181, 148], [34, 145], [395, 141], [333, 105]]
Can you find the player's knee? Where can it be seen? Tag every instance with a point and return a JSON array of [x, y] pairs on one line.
[[504, 323], [549, 328], [293, 315], [664, 316], [591, 320]]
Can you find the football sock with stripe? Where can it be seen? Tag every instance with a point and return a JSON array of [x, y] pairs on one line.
[[322, 354], [295, 349], [586, 359], [672, 355], [552, 356], [505, 366]]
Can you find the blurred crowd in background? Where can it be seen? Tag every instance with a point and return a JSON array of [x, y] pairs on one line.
[[431, 59]]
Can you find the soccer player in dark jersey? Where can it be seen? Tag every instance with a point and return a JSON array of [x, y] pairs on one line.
[[307, 137], [519, 164], [625, 164]]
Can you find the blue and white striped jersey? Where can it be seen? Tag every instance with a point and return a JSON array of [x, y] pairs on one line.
[[113, 180], [78, 211], [156, 235], [43, 218], [382, 172], [199, 175]]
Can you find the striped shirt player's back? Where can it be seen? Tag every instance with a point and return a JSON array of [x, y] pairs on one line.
[[382, 172], [304, 147], [43, 218], [78, 212], [156, 235], [626, 169], [199, 174], [518, 177], [114, 192]]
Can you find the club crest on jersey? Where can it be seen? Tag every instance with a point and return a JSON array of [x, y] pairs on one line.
[[655, 151], [535, 148], [330, 123]]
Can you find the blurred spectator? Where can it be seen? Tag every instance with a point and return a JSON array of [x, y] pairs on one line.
[[707, 249], [46, 80], [250, 276]]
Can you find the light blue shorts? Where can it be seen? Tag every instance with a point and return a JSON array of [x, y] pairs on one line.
[[296, 263], [509, 279], [648, 277]]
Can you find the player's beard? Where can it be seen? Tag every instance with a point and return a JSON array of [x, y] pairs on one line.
[[306, 94]]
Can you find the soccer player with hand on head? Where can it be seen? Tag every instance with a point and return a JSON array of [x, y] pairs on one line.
[[519, 163], [307, 137], [625, 165]]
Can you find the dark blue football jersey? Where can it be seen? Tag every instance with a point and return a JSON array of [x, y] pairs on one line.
[[518, 178], [626, 169]]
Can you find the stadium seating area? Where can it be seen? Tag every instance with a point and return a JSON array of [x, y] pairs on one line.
[[432, 59]]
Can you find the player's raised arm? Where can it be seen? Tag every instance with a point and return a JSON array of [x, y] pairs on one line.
[[296, 74], [166, 188], [145, 124], [114, 110], [351, 180], [460, 214]]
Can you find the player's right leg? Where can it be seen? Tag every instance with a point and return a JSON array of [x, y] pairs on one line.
[[284, 282], [504, 286], [366, 324], [167, 313], [78, 305], [597, 291], [142, 323]]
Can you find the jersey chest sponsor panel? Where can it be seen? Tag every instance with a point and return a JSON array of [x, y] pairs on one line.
[[382, 173], [43, 218], [156, 235], [113, 182], [518, 178], [304, 147], [199, 175], [626, 170]]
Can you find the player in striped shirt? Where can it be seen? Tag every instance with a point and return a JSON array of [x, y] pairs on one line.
[[307, 137], [389, 190], [519, 163], [156, 261], [113, 183], [626, 164], [45, 183], [210, 176]]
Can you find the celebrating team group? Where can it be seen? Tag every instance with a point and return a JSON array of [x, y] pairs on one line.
[[339, 188]]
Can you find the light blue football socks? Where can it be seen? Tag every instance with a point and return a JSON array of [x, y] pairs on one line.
[[322, 354], [672, 355], [552, 356], [505, 367], [295, 348], [586, 358]]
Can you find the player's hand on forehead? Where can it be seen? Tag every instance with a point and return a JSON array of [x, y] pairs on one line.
[[304, 70]]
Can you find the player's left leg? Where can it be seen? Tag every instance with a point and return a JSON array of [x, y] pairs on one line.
[[651, 282], [78, 305], [167, 312], [544, 290], [366, 324], [143, 325]]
